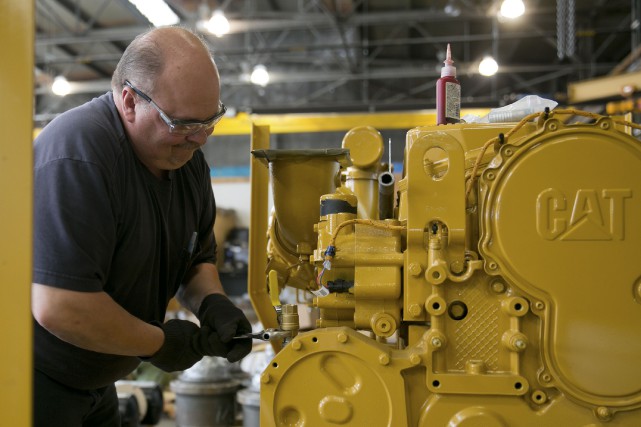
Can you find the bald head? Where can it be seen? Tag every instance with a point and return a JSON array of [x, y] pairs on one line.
[[165, 53]]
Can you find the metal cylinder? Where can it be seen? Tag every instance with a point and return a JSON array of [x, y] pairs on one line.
[[206, 394], [207, 404], [386, 195], [290, 320], [250, 401]]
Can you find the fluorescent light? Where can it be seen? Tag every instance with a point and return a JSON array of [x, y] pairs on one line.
[[488, 66], [218, 24], [60, 86], [259, 76], [512, 9], [156, 11]]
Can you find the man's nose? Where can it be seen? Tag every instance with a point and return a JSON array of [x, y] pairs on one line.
[[199, 137]]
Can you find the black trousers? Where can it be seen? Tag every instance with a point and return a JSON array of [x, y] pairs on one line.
[[56, 405]]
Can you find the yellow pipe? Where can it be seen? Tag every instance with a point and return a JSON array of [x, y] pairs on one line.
[[16, 189]]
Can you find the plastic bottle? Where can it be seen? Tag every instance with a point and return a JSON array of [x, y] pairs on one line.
[[448, 93]]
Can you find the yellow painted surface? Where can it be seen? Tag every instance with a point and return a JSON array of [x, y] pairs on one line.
[[516, 304], [241, 124], [306, 123], [603, 87], [257, 237], [16, 87]]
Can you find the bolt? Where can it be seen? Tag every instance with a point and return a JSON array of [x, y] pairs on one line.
[[520, 344], [546, 378], [415, 269], [415, 359], [539, 305], [342, 337], [457, 267], [415, 310], [265, 378], [296, 345], [383, 359], [603, 413], [498, 287], [436, 342]]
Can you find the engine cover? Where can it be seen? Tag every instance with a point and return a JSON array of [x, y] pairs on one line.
[[560, 220]]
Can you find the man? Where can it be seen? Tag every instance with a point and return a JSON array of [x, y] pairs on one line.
[[123, 221]]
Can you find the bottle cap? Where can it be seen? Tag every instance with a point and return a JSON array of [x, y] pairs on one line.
[[448, 69]]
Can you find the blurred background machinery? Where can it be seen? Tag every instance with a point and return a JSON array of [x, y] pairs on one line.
[[498, 286]]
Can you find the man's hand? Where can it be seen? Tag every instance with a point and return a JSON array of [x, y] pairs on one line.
[[220, 321], [183, 346]]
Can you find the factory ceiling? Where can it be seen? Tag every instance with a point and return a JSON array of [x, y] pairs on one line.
[[350, 55]]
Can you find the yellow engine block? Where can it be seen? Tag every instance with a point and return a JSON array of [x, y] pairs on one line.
[[499, 285]]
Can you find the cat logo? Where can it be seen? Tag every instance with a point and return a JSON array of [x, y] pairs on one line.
[[593, 215]]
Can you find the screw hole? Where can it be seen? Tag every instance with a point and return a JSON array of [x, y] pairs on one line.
[[315, 339], [518, 306], [436, 383], [518, 386], [436, 306], [457, 310], [275, 365]]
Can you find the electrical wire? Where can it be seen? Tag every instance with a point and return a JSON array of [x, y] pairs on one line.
[[503, 138]]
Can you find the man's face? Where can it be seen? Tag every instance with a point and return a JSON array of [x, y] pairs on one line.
[[154, 143]]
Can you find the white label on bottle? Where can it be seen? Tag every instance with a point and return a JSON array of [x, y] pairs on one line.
[[452, 100]]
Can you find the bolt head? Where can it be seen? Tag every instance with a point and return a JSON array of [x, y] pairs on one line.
[[415, 359], [383, 359]]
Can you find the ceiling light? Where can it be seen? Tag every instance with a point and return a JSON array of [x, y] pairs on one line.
[[217, 24], [512, 9], [488, 66], [259, 75], [156, 11], [60, 86], [451, 10]]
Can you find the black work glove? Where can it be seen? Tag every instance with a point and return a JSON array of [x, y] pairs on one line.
[[220, 321], [183, 346]]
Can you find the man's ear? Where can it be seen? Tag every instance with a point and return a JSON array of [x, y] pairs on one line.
[[128, 102]]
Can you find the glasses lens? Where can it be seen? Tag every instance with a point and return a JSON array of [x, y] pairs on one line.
[[178, 128], [191, 129]]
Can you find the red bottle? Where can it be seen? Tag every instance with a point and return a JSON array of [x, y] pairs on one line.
[[448, 93]]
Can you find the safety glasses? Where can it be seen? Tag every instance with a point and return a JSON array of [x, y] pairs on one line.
[[183, 127]]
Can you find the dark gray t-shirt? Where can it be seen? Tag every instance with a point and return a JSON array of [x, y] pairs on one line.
[[103, 222]]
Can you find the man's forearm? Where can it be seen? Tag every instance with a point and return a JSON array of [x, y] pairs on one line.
[[93, 321], [201, 280]]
